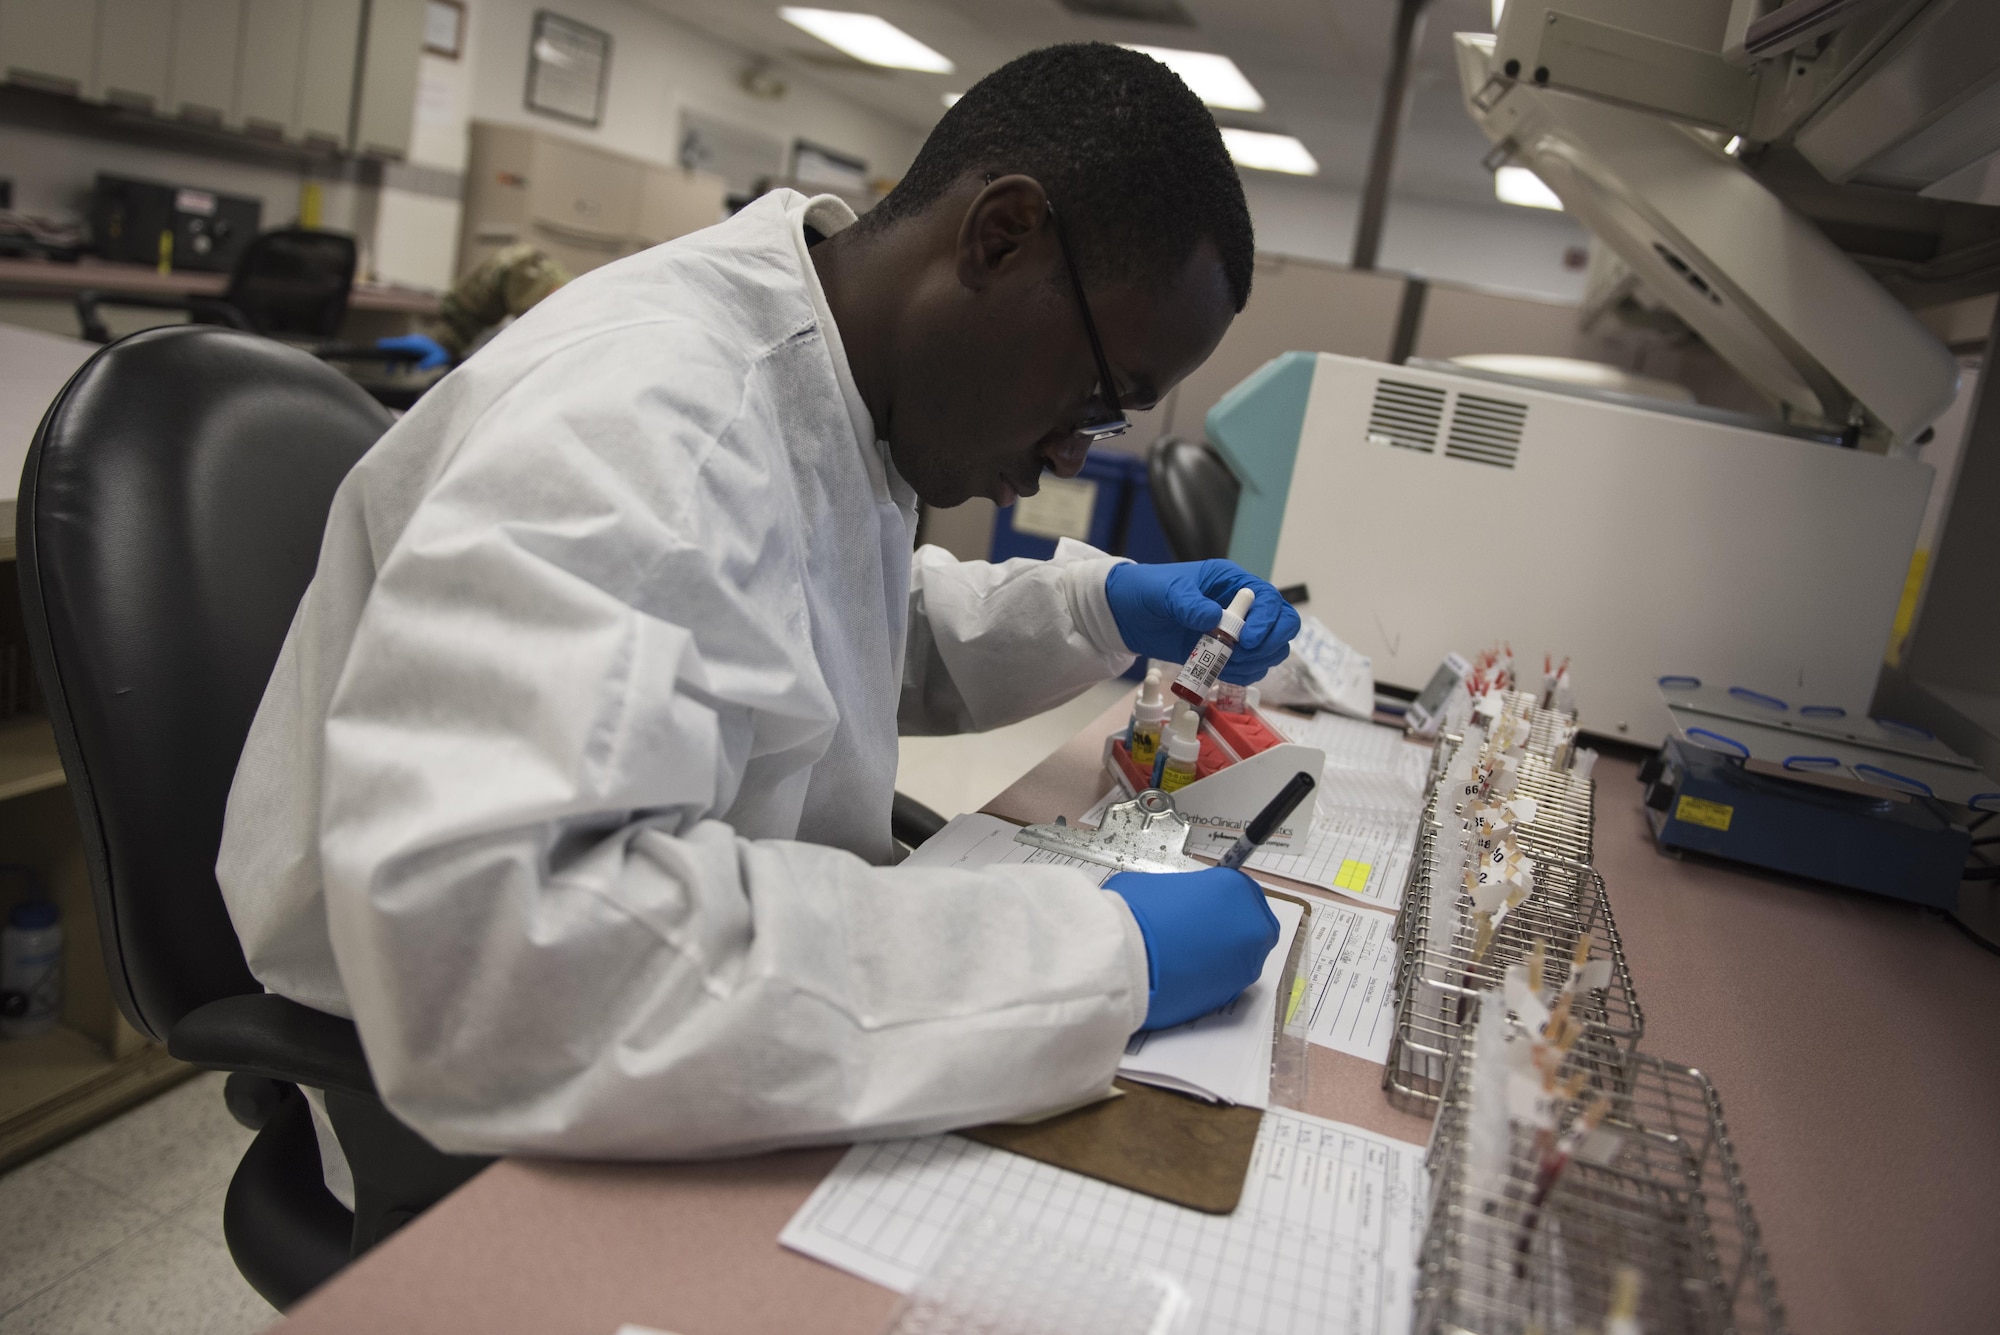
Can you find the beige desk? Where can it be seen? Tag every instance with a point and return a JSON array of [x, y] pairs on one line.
[[1856, 1044]]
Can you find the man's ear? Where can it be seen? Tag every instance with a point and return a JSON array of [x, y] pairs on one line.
[[998, 227]]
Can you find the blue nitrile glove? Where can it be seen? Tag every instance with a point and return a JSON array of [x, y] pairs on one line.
[[427, 350], [1207, 933], [1162, 610]]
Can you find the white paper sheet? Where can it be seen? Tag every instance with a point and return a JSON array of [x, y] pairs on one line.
[[1325, 1241], [1225, 1055], [1365, 811], [1350, 966], [1355, 743]]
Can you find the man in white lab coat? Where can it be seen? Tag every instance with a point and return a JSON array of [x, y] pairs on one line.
[[572, 783]]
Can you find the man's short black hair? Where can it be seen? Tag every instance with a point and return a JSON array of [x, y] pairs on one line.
[[1125, 150]]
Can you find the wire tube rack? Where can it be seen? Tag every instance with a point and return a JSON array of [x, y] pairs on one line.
[[1439, 984], [1504, 1256]]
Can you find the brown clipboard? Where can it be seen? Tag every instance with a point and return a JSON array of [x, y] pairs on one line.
[[1156, 1142]]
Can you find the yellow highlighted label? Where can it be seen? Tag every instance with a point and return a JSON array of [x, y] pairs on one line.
[[1695, 811], [1353, 875], [1298, 995]]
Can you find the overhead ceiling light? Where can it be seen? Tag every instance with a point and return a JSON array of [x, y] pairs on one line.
[[1266, 152], [1518, 185], [868, 38], [951, 100], [1499, 8], [1214, 79], [1734, 146]]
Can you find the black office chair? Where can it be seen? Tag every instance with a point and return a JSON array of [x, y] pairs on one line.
[[170, 518], [1194, 494], [291, 282]]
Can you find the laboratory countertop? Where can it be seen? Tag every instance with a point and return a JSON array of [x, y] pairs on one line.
[[1855, 1043], [26, 277]]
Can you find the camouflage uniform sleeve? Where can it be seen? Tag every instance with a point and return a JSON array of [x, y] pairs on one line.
[[508, 282]]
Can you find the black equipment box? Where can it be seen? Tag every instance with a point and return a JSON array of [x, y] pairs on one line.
[[143, 222]]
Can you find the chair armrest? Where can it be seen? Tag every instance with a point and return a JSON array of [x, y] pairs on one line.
[[911, 822], [274, 1036], [91, 324]]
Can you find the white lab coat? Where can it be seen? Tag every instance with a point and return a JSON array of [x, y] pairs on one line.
[[572, 784]]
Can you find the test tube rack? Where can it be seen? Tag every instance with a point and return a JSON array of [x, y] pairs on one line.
[[1439, 983], [1670, 1203]]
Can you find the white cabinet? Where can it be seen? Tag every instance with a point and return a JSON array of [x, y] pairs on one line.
[[134, 42], [583, 205], [386, 96], [267, 70], [48, 43], [674, 201], [326, 71], [201, 77]]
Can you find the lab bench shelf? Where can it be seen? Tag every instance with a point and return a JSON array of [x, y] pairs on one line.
[[28, 761], [61, 1083]]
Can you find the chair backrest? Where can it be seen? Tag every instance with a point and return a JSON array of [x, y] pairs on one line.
[[170, 518], [1194, 494], [293, 282]]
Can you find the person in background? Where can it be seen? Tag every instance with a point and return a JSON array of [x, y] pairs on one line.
[[507, 283], [572, 784]]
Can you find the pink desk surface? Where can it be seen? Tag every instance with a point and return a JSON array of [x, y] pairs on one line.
[[1855, 1042]]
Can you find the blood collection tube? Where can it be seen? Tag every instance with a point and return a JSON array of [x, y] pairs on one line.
[[1212, 653]]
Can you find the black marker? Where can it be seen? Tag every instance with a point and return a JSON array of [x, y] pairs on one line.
[[1259, 830]]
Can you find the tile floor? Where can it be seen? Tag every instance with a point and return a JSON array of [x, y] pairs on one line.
[[121, 1229]]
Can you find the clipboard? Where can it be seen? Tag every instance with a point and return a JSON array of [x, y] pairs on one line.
[[1170, 1146]]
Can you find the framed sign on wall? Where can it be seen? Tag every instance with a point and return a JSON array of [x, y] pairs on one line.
[[444, 28], [569, 64]]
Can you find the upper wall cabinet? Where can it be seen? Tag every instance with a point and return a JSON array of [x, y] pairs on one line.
[[335, 75], [47, 43], [201, 81], [135, 46], [267, 68]]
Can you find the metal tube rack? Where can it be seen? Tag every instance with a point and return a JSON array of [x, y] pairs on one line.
[[1670, 1203], [1437, 982], [1438, 986]]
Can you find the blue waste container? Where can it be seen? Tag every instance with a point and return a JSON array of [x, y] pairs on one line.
[[1088, 507]]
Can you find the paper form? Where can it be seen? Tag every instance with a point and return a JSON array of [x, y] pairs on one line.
[[1325, 1241], [1225, 1055], [1355, 743], [1365, 810], [1350, 973]]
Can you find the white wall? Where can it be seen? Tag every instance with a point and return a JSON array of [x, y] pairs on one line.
[[657, 67], [1503, 248]]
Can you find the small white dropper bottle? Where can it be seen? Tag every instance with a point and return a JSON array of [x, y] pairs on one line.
[[1147, 717]]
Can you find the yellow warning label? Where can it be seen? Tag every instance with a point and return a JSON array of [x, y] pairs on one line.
[[1353, 875], [1298, 995], [1695, 811]]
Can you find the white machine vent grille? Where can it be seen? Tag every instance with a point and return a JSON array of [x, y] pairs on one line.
[[1405, 414], [1486, 431]]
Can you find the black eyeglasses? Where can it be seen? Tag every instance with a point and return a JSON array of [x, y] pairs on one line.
[[1103, 418]]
